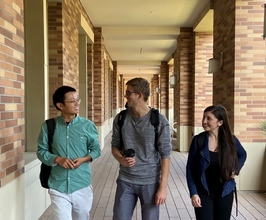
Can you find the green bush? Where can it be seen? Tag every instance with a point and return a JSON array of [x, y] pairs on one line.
[[263, 126]]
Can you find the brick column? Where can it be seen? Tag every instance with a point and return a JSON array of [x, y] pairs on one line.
[[202, 80], [121, 91], [115, 88], [240, 84], [164, 86], [155, 83], [224, 81], [183, 90], [90, 80], [55, 37], [98, 77], [152, 93], [12, 110], [249, 69], [106, 88]]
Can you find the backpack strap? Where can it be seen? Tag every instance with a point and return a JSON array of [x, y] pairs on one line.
[[51, 127], [155, 123], [120, 122]]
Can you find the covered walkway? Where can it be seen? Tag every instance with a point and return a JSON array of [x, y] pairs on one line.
[[251, 205]]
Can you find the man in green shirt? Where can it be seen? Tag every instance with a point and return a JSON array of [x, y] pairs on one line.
[[75, 144]]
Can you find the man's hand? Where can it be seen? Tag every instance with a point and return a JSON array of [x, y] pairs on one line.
[[160, 196], [127, 161], [124, 161], [78, 162], [65, 162], [72, 164]]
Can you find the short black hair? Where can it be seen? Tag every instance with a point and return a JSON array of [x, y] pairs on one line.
[[59, 94]]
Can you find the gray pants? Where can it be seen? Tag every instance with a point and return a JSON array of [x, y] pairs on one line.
[[126, 198]]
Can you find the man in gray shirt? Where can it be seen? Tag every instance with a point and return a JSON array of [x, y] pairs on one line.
[[145, 175]]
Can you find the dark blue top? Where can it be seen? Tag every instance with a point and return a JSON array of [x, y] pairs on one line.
[[196, 172]]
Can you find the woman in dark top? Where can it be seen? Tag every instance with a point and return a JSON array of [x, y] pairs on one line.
[[212, 166]]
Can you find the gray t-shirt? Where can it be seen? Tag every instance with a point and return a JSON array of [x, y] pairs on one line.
[[138, 134]]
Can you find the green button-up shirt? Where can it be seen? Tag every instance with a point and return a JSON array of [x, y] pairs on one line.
[[76, 140]]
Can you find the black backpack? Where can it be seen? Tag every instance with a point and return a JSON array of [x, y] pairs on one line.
[[46, 170], [154, 122]]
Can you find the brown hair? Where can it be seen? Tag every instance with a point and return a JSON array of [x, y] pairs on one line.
[[140, 85]]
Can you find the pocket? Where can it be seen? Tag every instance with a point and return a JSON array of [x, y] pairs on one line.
[[52, 192]]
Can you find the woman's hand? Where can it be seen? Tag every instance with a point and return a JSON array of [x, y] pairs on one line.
[[195, 200], [233, 175]]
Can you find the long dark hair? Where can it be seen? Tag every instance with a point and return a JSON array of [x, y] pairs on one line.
[[226, 145]]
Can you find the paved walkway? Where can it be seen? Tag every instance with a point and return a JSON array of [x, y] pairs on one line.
[[178, 207]]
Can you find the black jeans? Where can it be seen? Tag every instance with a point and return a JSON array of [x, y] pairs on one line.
[[214, 208]]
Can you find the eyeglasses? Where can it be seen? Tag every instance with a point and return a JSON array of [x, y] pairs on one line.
[[74, 101], [128, 93]]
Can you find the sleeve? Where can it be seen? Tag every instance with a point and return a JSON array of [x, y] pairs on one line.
[[241, 153], [43, 153], [189, 167], [93, 146], [116, 134], [164, 138]]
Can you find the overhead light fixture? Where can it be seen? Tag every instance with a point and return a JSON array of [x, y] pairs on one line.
[[215, 63], [264, 23]]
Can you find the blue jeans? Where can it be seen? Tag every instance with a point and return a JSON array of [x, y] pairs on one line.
[[126, 198]]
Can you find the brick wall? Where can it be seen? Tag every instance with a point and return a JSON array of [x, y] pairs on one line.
[[12, 122], [176, 88], [106, 92], [152, 88], [241, 85], [63, 31], [98, 76], [184, 89], [164, 84], [55, 38], [121, 91], [155, 95], [115, 86], [108, 86], [250, 75], [202, 81], [90, 80], [224, 41]]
